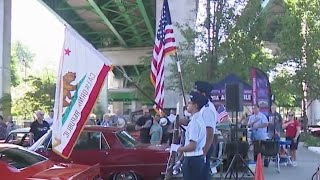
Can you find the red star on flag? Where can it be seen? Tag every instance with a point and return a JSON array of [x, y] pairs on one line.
[[67, 51]]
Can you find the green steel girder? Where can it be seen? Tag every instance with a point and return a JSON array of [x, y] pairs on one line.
[[137, 70], [130, 27], [119, 23], [107, 22], [127, 18], [108, 4], [130, 23], [65, 11], [146, 18], [73, 8], [120, 17], [84, 22]]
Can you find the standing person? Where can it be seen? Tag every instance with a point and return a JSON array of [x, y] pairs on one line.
[[106, 120], [209, 115], [50, 118], [3, 129], [38, 127], [143, 125], [172, 118], [292, 127], [195, 140], [156, 131], [91, 120], [275, 123], [118, 120], [10, 125], [258, 123]]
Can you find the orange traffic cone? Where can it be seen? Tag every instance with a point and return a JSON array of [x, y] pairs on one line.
[[258, 173]]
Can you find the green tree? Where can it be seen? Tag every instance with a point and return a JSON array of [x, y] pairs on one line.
[[21, 59], [300, 48], [285, 88], [238, 45], [40, 96], [15, 81], [5, 104], [299, 42]]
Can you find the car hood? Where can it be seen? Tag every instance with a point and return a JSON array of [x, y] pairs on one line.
[[68, 171]]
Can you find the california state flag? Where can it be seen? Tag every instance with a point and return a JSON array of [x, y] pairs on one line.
[[81, 75]]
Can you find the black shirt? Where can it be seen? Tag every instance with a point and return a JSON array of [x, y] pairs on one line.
[[144, 132], [38, 130]]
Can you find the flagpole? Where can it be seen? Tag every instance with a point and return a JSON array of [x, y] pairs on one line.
[[141, 90], [175, 136], [180, 79]]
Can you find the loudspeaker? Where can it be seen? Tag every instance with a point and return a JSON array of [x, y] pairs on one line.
[[234, 97]]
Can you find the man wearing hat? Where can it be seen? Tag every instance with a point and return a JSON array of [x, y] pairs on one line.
[[209, 115], [195, 139]]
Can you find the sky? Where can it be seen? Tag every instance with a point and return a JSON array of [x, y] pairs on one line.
[[36, 27]]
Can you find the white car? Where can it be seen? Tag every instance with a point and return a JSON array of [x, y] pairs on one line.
[[21, 137], [18, 137]]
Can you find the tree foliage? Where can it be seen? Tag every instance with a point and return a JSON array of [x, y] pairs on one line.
[[291, 39], [21, 58], [237, 45], [239, 33], [40, 95], [5, 104]]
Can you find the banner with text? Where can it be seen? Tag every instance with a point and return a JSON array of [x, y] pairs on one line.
[[261, 90]]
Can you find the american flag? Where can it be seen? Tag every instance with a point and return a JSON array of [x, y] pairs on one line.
[[164, 45], [221, 113]]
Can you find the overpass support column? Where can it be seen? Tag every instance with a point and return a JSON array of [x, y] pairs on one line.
[[182, 12], [5, 46]]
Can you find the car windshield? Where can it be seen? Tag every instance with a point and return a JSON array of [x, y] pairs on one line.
[[126, 139], [20, 158]]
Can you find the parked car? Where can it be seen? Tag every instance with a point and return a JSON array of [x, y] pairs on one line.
[[120, 156], [314, 130], [18, 137], [19, 163]]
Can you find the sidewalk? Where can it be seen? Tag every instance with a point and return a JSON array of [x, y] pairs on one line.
[[307, 164]]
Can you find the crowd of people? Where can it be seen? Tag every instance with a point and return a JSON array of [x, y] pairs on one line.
[[198, 135], [273, 127], [200, 127]]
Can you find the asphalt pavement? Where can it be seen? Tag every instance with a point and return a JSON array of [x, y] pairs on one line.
[[307, 165]]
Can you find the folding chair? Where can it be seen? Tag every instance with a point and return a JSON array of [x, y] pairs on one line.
[[270, 150]]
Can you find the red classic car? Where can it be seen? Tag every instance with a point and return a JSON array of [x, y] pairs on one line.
[[18, 163], [120, 156]]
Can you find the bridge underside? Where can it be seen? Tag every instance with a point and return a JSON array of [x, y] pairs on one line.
[[123, 30], [114, 23]]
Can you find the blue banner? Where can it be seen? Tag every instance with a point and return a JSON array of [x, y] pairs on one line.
[[261, 90]]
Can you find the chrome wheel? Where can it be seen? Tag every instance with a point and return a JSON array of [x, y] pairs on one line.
[[125, 176]]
